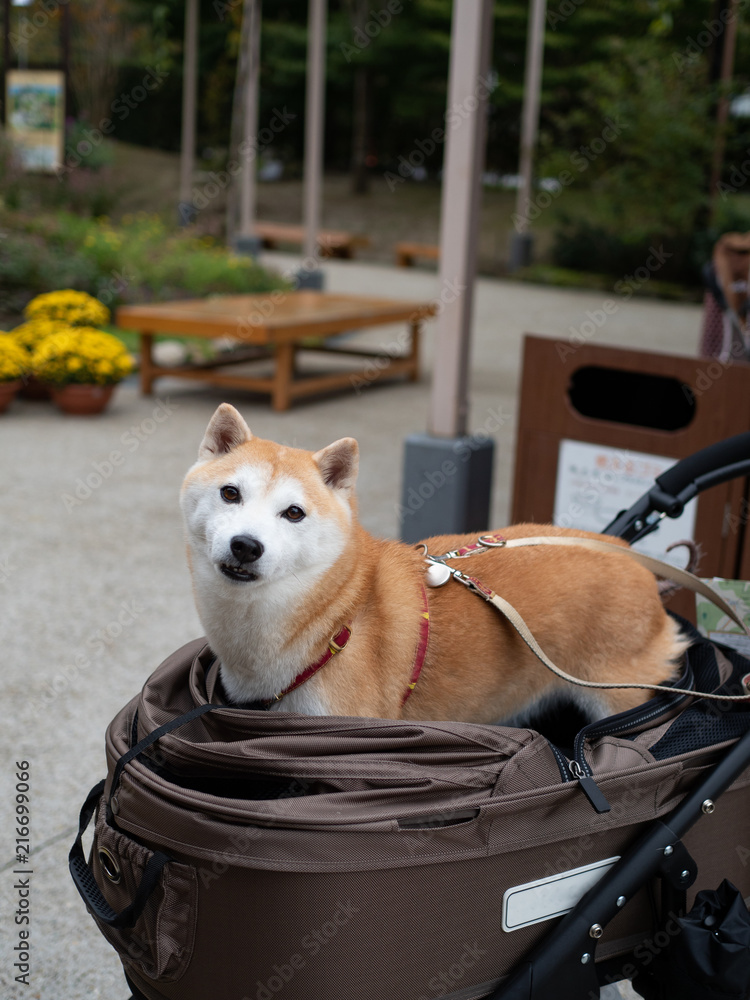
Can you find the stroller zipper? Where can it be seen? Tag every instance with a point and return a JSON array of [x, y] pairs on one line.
[[562, 761], [588, 786], [636, 718], [590, 789]]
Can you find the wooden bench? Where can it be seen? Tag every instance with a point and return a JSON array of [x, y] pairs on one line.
[[407, 252], [332, 242]]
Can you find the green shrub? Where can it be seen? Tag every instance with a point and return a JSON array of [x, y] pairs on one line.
[[137, 260], [93, 157]]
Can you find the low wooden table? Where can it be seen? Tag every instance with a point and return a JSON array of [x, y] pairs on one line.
[[407, 252], [278, 325], [332, 242]]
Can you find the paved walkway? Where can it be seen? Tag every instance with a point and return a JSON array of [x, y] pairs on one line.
[[94, 582]]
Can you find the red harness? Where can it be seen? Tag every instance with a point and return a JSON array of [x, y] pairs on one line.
[[339, 641]]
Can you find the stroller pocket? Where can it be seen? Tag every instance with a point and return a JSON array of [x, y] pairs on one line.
[[144, 902]]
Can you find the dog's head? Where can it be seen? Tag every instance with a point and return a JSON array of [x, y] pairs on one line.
[[257, 512]]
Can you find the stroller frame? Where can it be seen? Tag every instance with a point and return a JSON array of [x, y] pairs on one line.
[[563, 963]]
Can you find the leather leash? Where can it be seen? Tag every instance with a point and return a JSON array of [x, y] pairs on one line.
[[656, 566]]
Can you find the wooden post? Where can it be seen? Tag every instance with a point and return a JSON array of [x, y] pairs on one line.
[[521, 240], [248, 191], [6, 58], [530, 116], [314, 123], [189, 95], [468, 89]]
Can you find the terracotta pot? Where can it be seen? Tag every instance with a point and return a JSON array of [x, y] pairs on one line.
[[82, 400], [34, 389], [8, 392]]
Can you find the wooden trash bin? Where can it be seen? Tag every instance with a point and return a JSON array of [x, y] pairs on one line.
[[630, 406]]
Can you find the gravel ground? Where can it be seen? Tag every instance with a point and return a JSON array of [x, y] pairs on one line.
[[94, 582]]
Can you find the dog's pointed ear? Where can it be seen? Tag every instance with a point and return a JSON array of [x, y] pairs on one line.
[[339, 464], [226, 430]]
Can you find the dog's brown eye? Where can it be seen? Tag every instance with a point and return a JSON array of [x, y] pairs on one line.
[[230, 494], [293, 513]]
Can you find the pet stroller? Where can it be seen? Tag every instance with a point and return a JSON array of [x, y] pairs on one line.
[[248, 855]]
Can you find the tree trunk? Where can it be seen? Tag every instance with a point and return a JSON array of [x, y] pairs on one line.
[[360, 124], [360, 176]]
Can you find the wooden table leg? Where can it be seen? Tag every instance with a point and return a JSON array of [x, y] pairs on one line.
[[416, 329], [147, 364], [283, 376]]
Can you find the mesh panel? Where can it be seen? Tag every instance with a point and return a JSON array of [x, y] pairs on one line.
[[708, 723]]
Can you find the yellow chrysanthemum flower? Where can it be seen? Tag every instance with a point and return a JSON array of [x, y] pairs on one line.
[[69, 306], [30, 334], [14, 359], [81, 355]]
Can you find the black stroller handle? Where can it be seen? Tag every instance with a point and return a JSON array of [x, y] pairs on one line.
[[708, 467]]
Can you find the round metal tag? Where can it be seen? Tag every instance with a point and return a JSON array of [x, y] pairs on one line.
[[437, 574]]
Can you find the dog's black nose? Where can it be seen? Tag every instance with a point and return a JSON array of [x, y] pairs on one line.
[[246, 549]]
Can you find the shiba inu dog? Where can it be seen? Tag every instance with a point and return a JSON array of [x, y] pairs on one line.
[[307, 612]]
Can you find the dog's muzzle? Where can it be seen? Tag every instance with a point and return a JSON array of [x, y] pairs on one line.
[[245, 550]]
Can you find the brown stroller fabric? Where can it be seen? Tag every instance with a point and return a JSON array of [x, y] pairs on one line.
[[246, 852]]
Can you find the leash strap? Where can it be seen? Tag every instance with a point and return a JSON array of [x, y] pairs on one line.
[[656, 566]]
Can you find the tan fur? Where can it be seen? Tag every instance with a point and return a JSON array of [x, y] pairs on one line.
[[597, 615]]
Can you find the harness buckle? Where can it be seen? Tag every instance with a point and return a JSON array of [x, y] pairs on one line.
[[492, 541]]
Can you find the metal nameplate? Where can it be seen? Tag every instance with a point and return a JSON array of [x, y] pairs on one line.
[[533, 902]]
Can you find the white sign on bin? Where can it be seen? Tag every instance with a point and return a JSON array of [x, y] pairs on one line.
[[595, 483]]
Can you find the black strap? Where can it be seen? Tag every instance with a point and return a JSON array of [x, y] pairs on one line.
[[86, 883], [148, 741], [81, 871]]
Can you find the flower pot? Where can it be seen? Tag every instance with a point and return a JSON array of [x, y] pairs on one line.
[[82, 400], [8, 392], [32, 388]]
